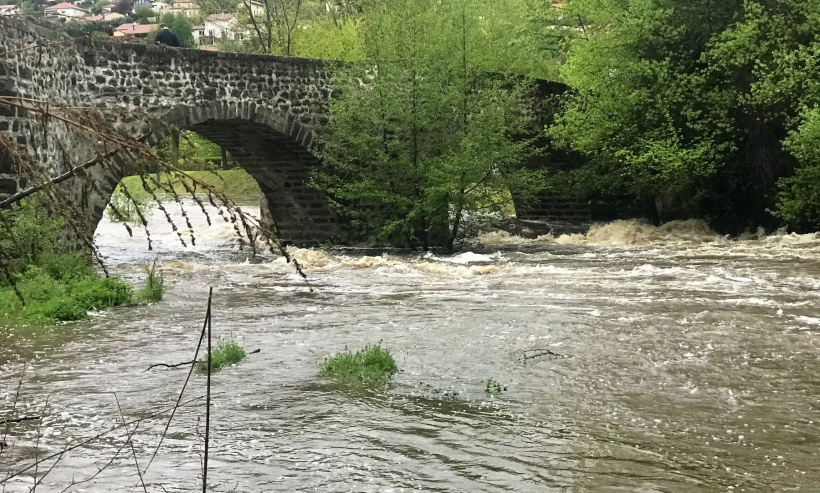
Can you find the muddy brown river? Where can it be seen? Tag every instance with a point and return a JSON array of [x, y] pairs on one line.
[[686, 362]]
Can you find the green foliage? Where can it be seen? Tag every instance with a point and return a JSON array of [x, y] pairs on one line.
[[28, 233], [95, 28], [209, 7], [689, 101], [154, 287], [125, 209], [226, 354], [493, 387], [327, 40], [799, 198], [182, 27], [143, 14], [235, 183], [195, 152], [423, 136], [97, 8], [123, 7], [55, 284], [49, 300], [372, 366]]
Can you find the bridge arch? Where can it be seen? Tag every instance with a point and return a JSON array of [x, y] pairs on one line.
[[273, 147]]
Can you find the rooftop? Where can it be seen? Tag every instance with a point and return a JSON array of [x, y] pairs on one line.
[[134, 28]]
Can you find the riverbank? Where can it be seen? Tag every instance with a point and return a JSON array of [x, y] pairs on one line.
[[235, 183]]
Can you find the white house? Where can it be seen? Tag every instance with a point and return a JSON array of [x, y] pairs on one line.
[[223, 26], [184, 7], [257, 8], [199, 34], [10, 10], [66, 11]]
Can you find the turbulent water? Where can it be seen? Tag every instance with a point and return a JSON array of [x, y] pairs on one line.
[[683, 362]]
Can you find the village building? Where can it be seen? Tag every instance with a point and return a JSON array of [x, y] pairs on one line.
[[185, 8], [9, 10], [105, 16], [132, 30], [66, 11], [223, 26]]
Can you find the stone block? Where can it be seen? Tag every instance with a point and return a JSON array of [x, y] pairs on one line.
[[8, 186]]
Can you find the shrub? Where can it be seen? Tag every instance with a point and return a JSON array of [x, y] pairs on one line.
[[493, 387], [372, 366], [154, 285], [95, 294], [227, 353]]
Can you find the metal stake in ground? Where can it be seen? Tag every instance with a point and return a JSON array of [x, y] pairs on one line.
[[207, 400]]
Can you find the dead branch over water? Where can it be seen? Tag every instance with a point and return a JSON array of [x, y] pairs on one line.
[[120, 147]]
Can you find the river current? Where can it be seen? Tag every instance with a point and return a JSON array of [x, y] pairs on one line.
[[682, 361]]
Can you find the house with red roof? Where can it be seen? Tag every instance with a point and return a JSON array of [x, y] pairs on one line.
[[132, 30]]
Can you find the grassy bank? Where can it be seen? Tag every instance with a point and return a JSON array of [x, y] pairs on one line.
[[42, 282], [235, 183]]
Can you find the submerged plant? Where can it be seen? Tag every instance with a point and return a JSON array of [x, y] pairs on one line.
[[226, 354], [154, 285], [372, 366], [494, 388]]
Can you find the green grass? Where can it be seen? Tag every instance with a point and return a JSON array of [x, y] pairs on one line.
[[50, 300], [55, 283], [494, 388], [233, 183], [372, 366], [154, 287], [226, 354]]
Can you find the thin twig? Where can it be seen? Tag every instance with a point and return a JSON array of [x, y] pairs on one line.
[[131, 443], [184, 385], [97, 437]]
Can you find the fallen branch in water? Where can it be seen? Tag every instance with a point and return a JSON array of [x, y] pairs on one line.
[[529, 354], [177, 365], [19, 420]]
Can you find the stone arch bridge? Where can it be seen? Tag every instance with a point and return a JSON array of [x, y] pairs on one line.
[[264, 110]]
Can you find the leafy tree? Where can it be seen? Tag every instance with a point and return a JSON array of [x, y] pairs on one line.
[[425, 135], [329, 40], [687, 102], [124, 7], [181, 26], [97, 8], [143, 14], [274, 29], [209, 7], [96, 28]]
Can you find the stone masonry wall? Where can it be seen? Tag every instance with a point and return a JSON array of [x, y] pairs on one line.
[[142, 89]]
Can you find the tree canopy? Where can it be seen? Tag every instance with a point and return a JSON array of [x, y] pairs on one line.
[[421, 134], [688, 104]]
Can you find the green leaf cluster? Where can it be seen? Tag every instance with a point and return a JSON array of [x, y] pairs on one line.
[[372, 366], [55, 284], [699, 105], [420, 134], [226, 353]]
